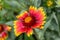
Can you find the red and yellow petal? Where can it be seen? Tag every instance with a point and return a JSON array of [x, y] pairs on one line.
[[40, 14], [18, 28], [41, 27], [4, 28], [38, 24], [8, 28], [2, 38], [18, 24], [15, 24], [22, 15], [43, 13], [17, 33], [4, 35], [32, 9], [29, 32], [15, 29]]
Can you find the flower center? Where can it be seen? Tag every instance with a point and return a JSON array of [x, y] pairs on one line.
[[28, 19], [1, 29]]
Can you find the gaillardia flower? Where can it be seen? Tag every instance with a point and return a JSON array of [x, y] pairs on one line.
[[3, 31], [28, 20], [49, 3]]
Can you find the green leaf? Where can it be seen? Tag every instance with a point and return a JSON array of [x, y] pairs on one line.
[[13, 3], [3, 12], [57, 38], [37, 3], [56, 20], [58, 3], [39, 34], [47, 25], [54, 16], [20, 37], [54, 23], [9, 23]]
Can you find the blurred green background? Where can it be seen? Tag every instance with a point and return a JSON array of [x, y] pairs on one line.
[[10, 8]]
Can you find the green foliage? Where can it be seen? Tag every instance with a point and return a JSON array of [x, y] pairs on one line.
[[51, 31]]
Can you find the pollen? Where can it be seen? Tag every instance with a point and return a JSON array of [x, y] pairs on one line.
[[28, 19]]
